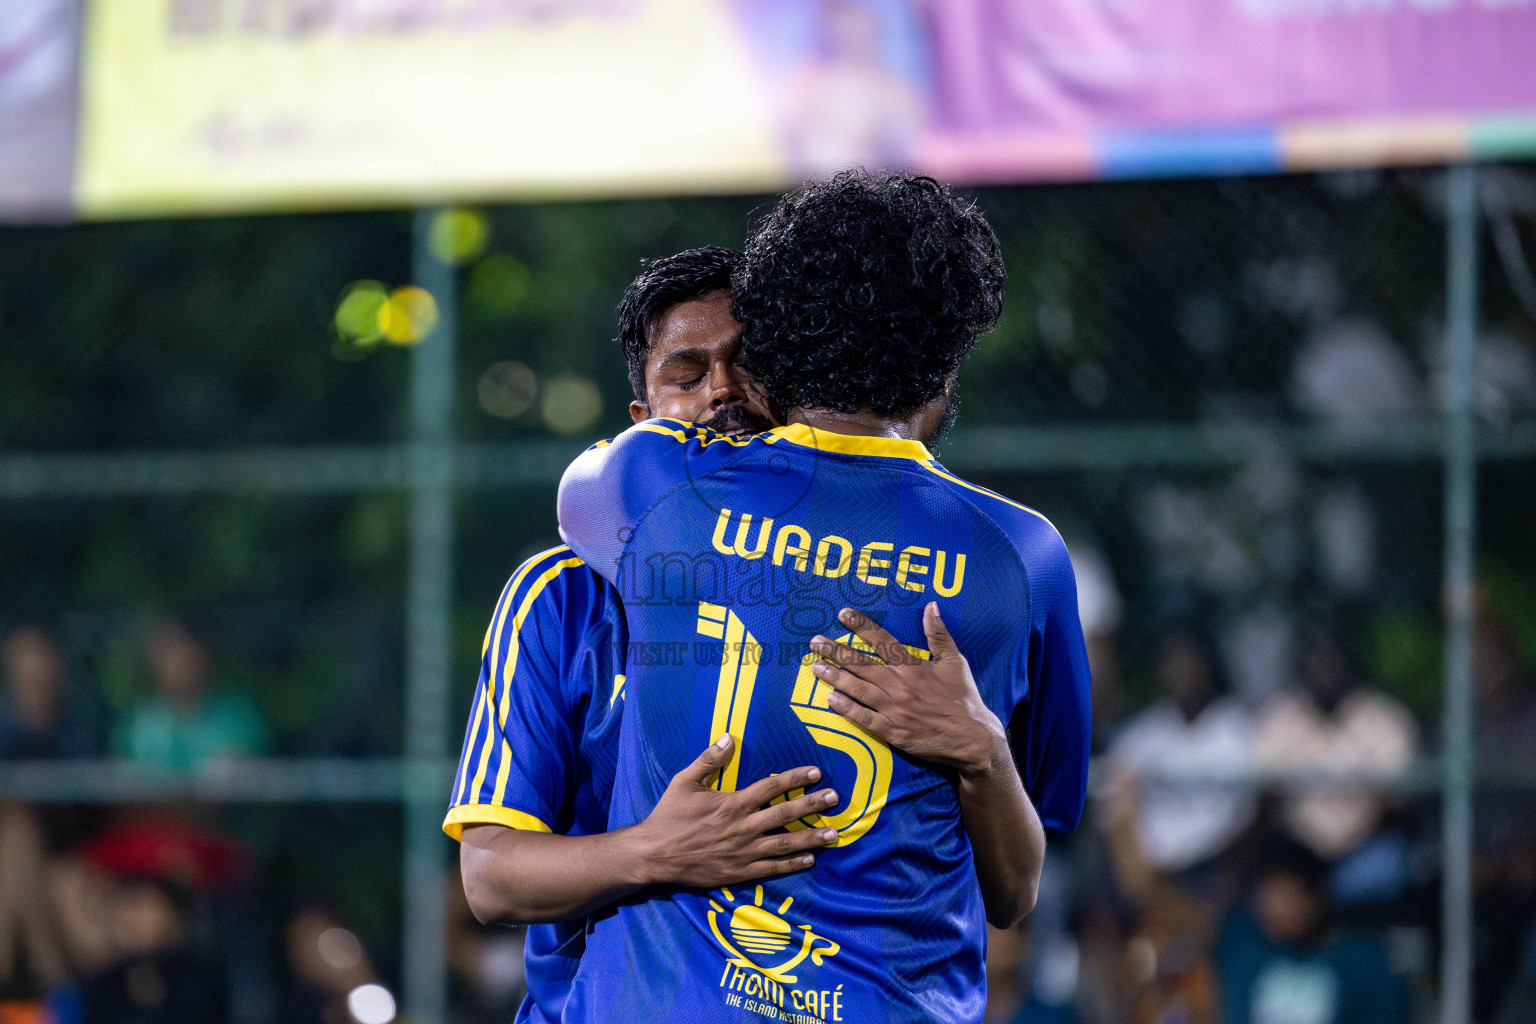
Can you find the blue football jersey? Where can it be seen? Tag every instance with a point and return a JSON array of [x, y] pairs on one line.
[[543, 734], [729, 554]]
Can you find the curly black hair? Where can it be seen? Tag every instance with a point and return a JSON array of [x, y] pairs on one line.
[[664, 283], [866, 291]]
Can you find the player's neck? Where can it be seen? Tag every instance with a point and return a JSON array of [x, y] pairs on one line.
[[857, 424]]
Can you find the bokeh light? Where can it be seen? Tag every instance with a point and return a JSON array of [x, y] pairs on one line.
[[459, 236], [357, 314], [371, 1004], [340, 949], [498, 284], [508, 389], [571, 404], [408, 315]]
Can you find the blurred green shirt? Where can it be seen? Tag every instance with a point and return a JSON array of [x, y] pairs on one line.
[[156, 734]]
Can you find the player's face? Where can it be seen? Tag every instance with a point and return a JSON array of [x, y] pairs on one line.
[[693, 370]]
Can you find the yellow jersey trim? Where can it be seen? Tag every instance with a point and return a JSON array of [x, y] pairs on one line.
[[514, 648], [686, 432], [847, 444], [489, 814], [498, 720], [930, 467]]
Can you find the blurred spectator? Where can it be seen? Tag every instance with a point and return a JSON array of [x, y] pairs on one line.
[[1193, 732], [1017, 995], [185, 722], [166, 846], [1005, 966], [1350, 373], [486, 961], [326, 965], [52, 916], [204, 872], [1506, 701], [1162, 970], [32, 955], [1099, 607], [41, 717], [1336, 724], [1282, 961], [159, 977], [1504, 873], [1506, 378]]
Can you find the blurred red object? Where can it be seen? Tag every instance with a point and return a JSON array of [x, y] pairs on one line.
[[28, 1012], [172, 850]]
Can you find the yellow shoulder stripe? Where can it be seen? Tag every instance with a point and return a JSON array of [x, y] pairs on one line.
[[846, 444], [514, 647], [499, 721], [933, 468]]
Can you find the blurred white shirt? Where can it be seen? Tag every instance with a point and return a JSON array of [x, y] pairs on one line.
[[1369, 733], [1179, 823]]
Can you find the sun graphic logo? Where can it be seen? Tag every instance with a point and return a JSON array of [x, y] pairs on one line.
[[767, 937]]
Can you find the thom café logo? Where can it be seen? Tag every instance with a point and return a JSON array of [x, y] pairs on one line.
[[761, 940]]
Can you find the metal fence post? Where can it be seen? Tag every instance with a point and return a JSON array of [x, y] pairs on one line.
[[1460, 536], [428, 645]]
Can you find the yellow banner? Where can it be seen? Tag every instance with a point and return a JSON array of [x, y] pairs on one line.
[[272, 104]]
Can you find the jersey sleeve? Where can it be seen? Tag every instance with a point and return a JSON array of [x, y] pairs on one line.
[[611, 486], [1051, 728], [520, 746]]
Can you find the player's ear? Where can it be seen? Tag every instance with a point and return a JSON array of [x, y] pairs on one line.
[[639, 411]]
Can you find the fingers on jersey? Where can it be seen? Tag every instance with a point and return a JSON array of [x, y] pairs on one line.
[[715, 756], [869, 719], [844, 656], [940, 644], [886, 647], [706, 764], [856, 673], [779, 815], [797, 848], [775, 786], [771, 868], [852, 685]]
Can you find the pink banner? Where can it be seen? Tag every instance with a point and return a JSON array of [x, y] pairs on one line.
[[1009, 90], [1003, 66]]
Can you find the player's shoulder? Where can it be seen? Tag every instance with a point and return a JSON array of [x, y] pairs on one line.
[[1033, 535], [555, 581], [648, 457]]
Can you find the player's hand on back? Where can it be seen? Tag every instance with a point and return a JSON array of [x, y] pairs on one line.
[[697, 836], [927, 709]]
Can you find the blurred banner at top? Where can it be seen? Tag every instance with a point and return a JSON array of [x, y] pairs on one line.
[[198, 105], [39, 49]]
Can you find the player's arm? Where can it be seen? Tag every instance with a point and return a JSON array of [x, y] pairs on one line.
[[933, 711], [694, 837], [520, 751], [1052, 727]]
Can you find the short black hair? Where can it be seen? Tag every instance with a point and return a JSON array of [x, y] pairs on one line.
[[866, 291], [663, 284]]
